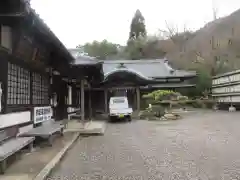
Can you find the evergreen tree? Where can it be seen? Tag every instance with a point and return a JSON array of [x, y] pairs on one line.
[[137, 28]]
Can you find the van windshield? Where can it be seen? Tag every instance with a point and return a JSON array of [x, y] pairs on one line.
[[117, 101]]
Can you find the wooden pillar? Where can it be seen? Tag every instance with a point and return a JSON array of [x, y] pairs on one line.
[[135, 100], [138, 98], [4, 83], [90, 104], [82, 100], [105, 101], [69, 95], [79, 98]]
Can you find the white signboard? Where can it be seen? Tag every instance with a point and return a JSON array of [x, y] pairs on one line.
[[41, 114]]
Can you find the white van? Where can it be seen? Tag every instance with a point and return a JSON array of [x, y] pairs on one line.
[[119, 108]]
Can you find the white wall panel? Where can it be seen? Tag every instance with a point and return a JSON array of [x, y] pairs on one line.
[[12, 119]]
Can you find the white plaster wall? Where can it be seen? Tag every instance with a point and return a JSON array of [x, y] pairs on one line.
[[222, 80], [235, 77], [12, 119], [231, 78], [227, 89], [229, 99], [224, 99], [236, 99]]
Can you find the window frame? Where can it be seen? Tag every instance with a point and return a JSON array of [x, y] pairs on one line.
[[40, 89], [20, 90], [18, 83]]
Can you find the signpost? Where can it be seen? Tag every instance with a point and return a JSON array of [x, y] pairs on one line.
[[42, 114]]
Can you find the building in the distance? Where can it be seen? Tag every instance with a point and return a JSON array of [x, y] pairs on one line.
[[133, 78], [226, 89]]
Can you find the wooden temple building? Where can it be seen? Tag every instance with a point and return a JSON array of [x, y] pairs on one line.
[[37, 76], [133, 78], [41, 79]]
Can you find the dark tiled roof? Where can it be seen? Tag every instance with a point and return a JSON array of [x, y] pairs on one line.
[[151, 69], [146, 69], [82, 59]]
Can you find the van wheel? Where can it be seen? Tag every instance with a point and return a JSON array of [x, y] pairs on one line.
[[110, 119], [129, 119]]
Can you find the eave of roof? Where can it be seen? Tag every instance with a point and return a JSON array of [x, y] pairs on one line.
[[46, 31], [126, 70], [80, 59], [85, 61], [152, 69], [55, 39], [170, 85]]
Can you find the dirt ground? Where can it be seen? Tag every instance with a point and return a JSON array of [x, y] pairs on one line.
[[30, 164]]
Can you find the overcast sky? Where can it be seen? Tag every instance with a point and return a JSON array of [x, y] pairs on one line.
[[80, 21]]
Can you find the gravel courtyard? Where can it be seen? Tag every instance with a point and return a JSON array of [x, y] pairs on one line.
[[203, 145]]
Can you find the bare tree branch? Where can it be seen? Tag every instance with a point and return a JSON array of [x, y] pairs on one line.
[[173, 31]]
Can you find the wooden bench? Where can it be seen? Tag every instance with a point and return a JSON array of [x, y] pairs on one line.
[[11, 145], [45, 131]]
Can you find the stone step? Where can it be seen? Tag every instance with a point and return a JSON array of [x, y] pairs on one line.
[[89, 128]]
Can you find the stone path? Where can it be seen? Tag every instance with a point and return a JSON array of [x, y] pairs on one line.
[[200, 146], [30, 164]]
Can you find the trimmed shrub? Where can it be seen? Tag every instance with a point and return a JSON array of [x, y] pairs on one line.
[[160, 95]]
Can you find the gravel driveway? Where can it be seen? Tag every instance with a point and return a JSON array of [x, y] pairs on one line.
[[203, 145]]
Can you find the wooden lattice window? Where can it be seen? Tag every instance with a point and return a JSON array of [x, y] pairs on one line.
[[18, 85], [40, 87]]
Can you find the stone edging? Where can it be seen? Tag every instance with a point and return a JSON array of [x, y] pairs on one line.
[[49, 167]]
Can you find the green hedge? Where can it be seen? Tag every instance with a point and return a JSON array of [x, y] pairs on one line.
[[160, 95], [172, 99]]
